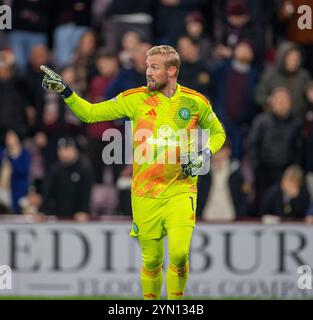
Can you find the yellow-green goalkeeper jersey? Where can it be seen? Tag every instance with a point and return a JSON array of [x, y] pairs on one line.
[[155, 121]]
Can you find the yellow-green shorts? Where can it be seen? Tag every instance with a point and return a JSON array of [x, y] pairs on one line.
[[153, 217]]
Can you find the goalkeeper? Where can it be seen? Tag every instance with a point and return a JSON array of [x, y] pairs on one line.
[[164, 193]]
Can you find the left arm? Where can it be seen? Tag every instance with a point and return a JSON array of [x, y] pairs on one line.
[[199, 164], [209, 122]]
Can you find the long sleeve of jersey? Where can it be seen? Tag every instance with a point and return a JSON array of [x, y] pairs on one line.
[[209, 122], [103, 111]]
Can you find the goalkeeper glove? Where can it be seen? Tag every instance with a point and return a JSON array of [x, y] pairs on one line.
[[195, 164], [53, 81]]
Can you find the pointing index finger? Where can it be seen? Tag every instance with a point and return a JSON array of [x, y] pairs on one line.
[[47, 70]]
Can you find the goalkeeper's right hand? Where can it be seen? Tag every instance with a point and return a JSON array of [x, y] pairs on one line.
[[53, 81]]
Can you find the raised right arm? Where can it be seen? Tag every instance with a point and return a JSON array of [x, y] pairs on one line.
[[87, 112], [103, 111]]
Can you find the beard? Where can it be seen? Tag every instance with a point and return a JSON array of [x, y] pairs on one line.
[[156, 86]]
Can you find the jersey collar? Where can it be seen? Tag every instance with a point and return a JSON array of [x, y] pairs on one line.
[[174, 96]]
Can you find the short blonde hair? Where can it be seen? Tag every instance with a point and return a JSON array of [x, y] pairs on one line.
[[171, 56], [294, 172]]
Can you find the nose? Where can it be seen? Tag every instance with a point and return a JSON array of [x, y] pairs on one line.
[[148, 71]]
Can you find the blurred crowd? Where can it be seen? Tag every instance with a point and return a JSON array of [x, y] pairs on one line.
[[249, 58]]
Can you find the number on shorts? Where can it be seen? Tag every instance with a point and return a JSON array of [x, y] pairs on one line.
[[192, 206]]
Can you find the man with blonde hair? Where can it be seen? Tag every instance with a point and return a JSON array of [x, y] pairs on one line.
[[163, 192], [289, 198]]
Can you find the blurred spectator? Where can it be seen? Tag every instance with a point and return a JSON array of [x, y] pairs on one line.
[[227, 191], [308, 131], [194, 25], [83, 60], [169, 18], [287, 73], [30, 20], [274, 142], [308, 123], [195, 29], [133, 77], [68, 179], [288, 14], [233, 95], [241, 189], [289, 198], [37, 171], [264, 15], [31, 203], [108, 67], [5, 184], [131, 41], [17, 160], [128, 15], [124, 187], [39, 55], [13, 102], [72, 20], [308, 150], [194, 71], [98, 11], [204, 186], [239, 26]]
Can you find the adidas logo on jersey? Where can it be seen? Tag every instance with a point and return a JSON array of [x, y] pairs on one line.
[[151, 112]]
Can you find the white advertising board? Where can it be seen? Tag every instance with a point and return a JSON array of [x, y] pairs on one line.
[[60, 259]]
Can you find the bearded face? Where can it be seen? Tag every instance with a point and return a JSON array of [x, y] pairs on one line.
[[156, 73]]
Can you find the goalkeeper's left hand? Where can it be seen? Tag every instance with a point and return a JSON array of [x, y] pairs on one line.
[[53, 81], [196, 164]]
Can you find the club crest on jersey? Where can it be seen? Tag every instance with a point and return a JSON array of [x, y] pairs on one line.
[[184, 113]]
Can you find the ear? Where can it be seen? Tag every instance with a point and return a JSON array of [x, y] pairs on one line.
[[172, 71]]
